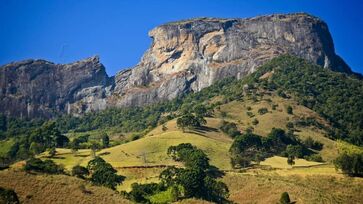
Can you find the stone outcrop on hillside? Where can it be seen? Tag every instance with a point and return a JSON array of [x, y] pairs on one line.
[[185, 56]]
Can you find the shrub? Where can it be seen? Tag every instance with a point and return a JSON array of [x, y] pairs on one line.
[[46, 166], [250, 114], [289, 110], [262, 111], [230, 129], [351, 164], [255, 121], [8, 196], [314, 157], [310, 143], [285, 198], [80, 171], [290, 125]]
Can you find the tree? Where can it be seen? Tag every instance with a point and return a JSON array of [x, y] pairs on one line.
[[94, 147], [8, 196], [80, 171], [103, 173], [105, 140], [289, 110], [351, 164], [189, 121], [290, 160], [285, 198], [200, 110], [74, 145]]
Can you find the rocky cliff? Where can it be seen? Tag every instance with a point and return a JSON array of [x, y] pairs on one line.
[[185, 56], [34, 88]]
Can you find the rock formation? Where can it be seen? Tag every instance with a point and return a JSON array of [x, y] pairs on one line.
[[185, 56]]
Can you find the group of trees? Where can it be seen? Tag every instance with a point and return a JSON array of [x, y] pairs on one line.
[[337, 97], [351, 164], [197, 179], [249, 147], [36, 141]]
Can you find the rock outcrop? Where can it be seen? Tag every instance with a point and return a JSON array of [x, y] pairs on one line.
[[185, 56], [38, 88]]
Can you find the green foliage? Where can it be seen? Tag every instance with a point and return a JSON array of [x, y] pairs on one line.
[[290, 160], [80, 171], [230, 129], [102, 173], [310, 143], [190, 155], [285, 198], [140, 193], [105, 140], [335, 96], [195, 180], [189, 121], [314, 157], [289, 110], [8, 196], [262, 111], [249, 147], [46, 166], [351, 164], [255, 121]]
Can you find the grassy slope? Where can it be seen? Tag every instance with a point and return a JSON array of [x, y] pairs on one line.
[[267, 188], [237, 112], [244, 187], [33, 188]]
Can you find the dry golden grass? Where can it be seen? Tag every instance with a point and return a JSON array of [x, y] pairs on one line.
[[302, 189], [281, 163], [41, 188]]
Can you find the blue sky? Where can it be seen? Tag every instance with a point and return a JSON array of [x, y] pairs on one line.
[[69, 30]]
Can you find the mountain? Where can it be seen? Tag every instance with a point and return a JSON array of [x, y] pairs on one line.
[[185, 56]]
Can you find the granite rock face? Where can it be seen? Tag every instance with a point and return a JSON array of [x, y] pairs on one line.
[[185, 56], [192, 54], [38, 88]]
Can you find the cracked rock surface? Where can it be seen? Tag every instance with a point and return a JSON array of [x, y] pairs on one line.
[[185, 56]]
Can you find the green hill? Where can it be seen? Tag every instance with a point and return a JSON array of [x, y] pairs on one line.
[[287, 93]]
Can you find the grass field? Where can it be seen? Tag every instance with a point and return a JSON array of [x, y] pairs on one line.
[[42, 188], [281, 163], [311, 189]]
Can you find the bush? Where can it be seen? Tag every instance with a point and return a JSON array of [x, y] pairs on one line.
[[262, 111], [314, 157], [8, 196], [80, 171], [46, 166], [285, 198], [230, 129], [351, 164], [289, 110], [310, 143], [255, 121]]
